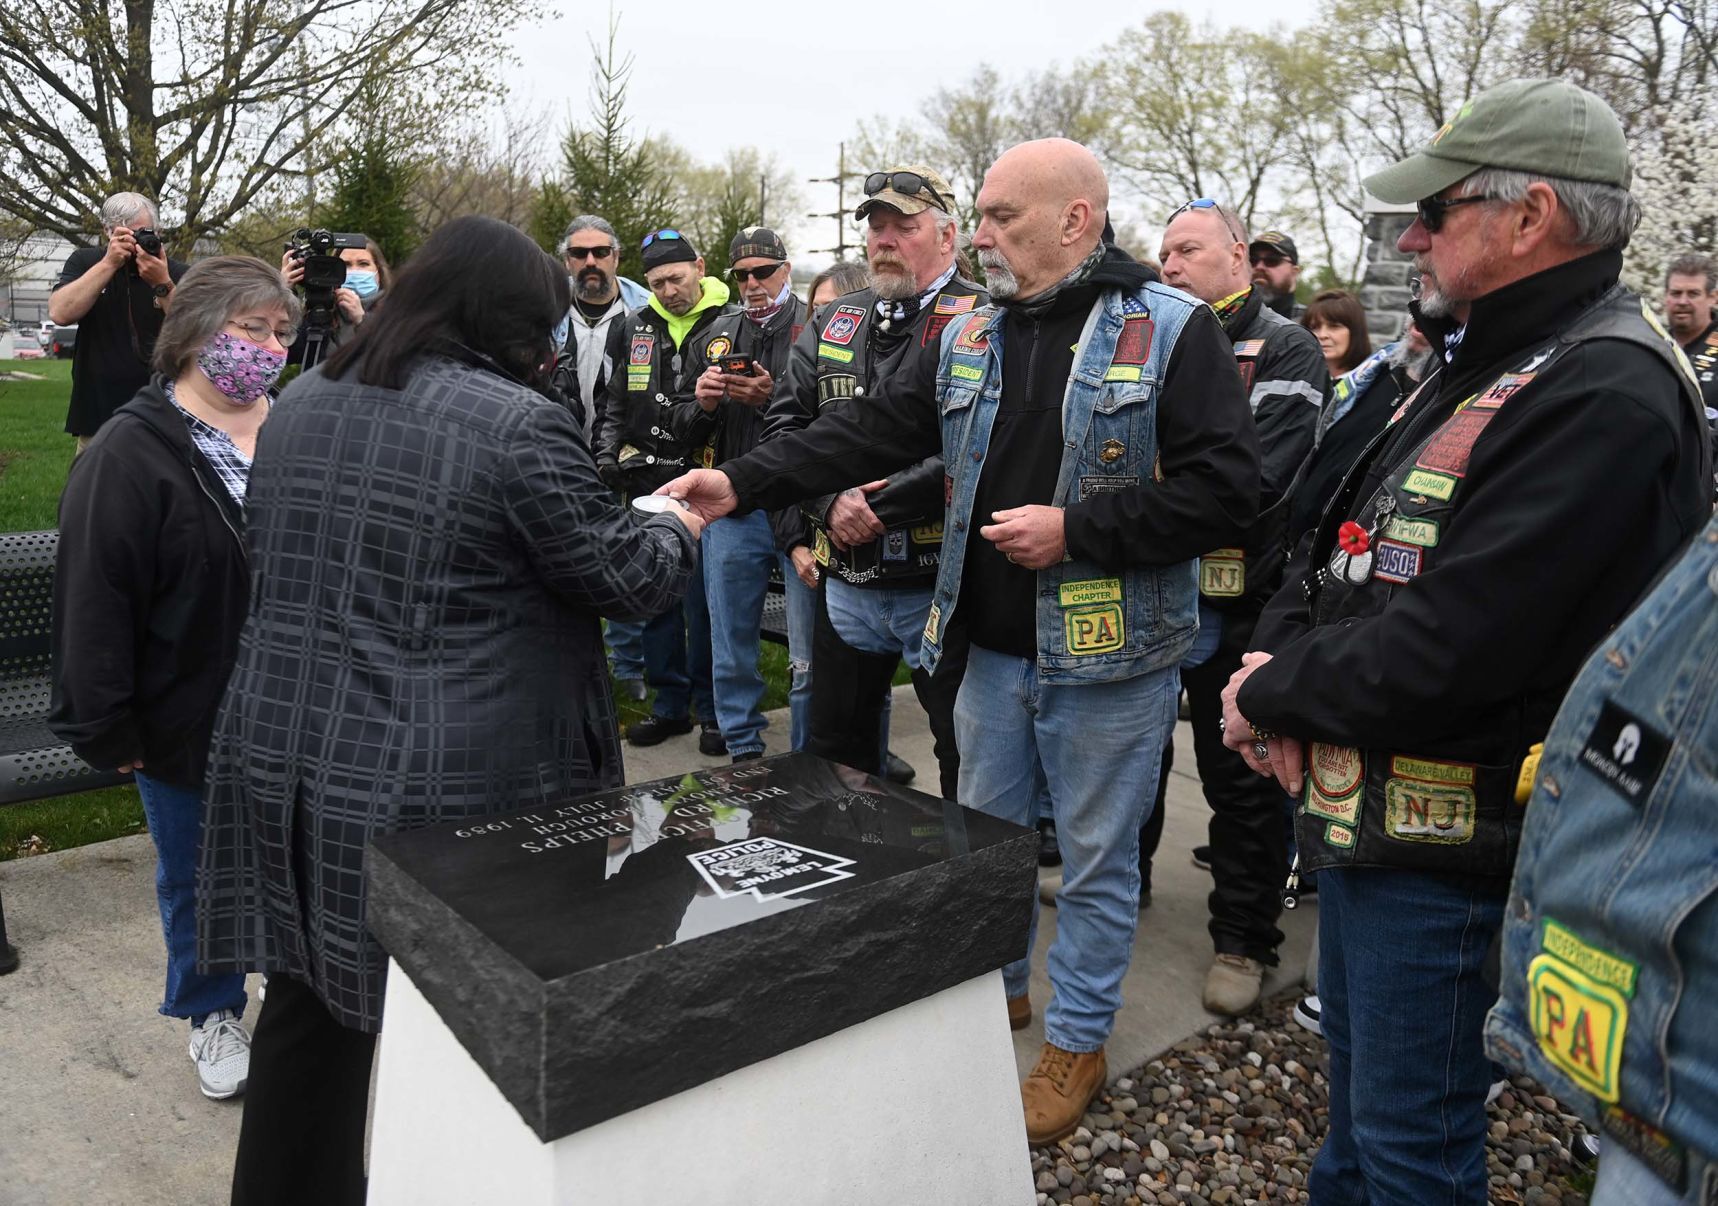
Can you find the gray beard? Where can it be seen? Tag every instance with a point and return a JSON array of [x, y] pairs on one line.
[[592, 288], [999, 278], [894, 286]]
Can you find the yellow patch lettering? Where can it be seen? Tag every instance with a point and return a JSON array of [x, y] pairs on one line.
[[829, 351], [1431, 770], [1091, 590], [1423, 532], [964, 372], [1557, 939], [927, 533], [1122, 372]]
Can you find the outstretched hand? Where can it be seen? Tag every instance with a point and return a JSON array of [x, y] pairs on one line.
[[708, 493]]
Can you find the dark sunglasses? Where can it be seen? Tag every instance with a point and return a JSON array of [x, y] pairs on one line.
[[1268, 259], [1433, 209], [908, 184], [588, 253], [754, 274], [660, 235], [1229, 223]]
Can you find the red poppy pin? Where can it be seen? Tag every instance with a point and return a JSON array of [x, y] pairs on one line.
[[1353, 538]]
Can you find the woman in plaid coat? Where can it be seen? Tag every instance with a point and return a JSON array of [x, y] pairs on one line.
[[431, 552]]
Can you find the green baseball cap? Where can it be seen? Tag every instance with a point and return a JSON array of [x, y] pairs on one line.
[[1546, 127]]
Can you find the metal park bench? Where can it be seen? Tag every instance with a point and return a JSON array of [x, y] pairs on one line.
[[33, 762]]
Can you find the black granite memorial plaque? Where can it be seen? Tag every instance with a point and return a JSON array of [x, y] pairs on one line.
[[599, 955]]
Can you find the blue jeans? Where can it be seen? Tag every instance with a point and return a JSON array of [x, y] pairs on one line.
[[175, 817], [677, 657], [1400, 956], [626, 648], [1624, 1180], [880, 621], [1095, 746], [739, 553]]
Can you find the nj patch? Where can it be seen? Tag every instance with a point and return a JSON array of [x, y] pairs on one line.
[[1394, 561], [1579, 1007], [1440, 486], [1417, 811], [1626, 752], [1333, 783], [1501, 390], [1133, 345], [954, 305], [843, 325], [718, 347], [1450, 447], [1223, 574]]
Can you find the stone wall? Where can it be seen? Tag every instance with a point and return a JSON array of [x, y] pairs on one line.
[[1384, 288]]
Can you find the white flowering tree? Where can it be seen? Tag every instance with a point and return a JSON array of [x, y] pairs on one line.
[[1676, 179]]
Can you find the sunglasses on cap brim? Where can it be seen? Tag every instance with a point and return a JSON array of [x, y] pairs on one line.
[[908, 184]]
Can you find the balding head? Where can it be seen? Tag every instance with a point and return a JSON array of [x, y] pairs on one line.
[[1041, 211]]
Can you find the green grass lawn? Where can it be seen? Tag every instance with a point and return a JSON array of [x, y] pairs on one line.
[[35, 453]]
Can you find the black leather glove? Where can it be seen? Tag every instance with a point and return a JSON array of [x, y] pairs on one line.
[[611, 476]]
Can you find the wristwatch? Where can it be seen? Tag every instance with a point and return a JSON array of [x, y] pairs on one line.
[[161, 292]]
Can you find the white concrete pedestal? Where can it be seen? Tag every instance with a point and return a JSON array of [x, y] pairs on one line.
[[919, 1104]]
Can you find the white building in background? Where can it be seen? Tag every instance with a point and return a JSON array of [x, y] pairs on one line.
[[24, 298]]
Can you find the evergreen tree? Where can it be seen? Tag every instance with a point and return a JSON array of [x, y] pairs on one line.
[[372, 186]]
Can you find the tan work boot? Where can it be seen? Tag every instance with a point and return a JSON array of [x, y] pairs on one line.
[[1020, 1011], [1232, 984], [1059, 1090]]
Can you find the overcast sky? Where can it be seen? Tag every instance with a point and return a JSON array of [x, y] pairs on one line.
[[861, 60]]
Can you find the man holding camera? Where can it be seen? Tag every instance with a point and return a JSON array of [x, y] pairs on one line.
[[734, 365], [117, 296]]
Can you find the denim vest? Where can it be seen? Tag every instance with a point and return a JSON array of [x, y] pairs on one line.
[[1610, 941], [1095, 623]]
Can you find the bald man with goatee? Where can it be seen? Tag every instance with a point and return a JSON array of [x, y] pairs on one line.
[[1097, 441]]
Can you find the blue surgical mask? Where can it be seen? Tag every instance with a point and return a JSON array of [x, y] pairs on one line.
[[562, 329], [364, 284]]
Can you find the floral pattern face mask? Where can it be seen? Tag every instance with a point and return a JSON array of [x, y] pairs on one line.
[[243, 371]]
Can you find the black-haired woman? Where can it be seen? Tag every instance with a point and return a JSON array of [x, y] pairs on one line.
[[149, 595], [431, 549]]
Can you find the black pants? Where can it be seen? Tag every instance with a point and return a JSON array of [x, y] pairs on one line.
[[302, 1135], [1249, 849], [847, 688]]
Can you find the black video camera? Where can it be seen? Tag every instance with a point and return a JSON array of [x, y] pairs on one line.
[[324, 272]]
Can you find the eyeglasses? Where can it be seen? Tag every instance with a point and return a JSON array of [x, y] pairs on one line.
[[588, 253], [258, 331], [1268, 258], [755, 274], [1232, 225], [660, 235], [1433, 209], [908, 184]]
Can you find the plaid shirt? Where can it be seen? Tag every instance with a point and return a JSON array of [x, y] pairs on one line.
[[232, 466]]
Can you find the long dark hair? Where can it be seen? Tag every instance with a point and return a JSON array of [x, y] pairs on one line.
[[1335, 308], [478, 289]]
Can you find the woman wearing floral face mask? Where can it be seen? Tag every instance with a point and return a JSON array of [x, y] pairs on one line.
[[150, 591]]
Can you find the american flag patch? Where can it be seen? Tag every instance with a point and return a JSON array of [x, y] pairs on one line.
[[1249, 347]]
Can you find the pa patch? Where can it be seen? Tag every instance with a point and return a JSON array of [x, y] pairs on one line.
[[1578, 1007], [1626, 752], [1133, 345], [843, 325]]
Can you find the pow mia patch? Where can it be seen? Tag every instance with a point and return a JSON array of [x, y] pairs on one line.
[[843, 325], [767, 868], [1626, 752]]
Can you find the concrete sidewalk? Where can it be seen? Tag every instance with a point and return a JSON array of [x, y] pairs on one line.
[[98, 1099]]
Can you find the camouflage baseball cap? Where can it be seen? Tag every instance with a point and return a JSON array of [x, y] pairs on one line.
[[911, 189], [1546, 127]]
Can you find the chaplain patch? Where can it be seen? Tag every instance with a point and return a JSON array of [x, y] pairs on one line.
[[1440, 486], [843, 325], [1626, 752], [1415, 811], [1133, 345], [767, 868], [1393, 561]]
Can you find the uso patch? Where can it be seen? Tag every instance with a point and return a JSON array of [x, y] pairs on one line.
[[843, 325], [1394, 561]]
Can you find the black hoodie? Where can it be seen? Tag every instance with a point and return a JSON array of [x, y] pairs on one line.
[[150, 590]]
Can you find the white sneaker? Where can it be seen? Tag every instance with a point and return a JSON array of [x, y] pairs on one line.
[[222, 1051], [1308, 1015]]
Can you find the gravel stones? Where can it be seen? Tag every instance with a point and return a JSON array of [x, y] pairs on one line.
[[1234, 1117]]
